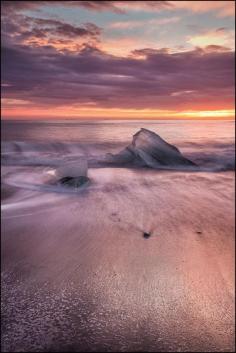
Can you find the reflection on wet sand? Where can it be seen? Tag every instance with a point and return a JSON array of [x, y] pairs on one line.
[[77, 273]]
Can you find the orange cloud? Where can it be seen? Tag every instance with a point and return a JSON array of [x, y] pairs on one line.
[[126, 45], [58, 44], [219, 37]]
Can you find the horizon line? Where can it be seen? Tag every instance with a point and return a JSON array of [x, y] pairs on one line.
[[229, 118]]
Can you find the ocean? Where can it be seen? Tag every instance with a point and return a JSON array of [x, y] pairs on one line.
[[208, 143]]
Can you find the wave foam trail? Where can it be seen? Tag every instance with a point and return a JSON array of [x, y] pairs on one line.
[[146, 150], [38, 167]]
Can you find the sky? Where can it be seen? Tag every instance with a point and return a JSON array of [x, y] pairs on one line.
[[117, 59]]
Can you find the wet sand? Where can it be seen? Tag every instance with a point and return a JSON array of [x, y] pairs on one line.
[[77, 273]]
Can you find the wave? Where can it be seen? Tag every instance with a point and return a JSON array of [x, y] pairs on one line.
[[209, 156]]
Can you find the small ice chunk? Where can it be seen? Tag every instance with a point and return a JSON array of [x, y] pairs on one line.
[[75, 169], [73, 174]]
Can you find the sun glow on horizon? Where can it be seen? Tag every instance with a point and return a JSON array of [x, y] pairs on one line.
[[114, 113]]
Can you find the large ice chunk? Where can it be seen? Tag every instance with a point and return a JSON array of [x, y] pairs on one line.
[[149, 149], [155, 151]]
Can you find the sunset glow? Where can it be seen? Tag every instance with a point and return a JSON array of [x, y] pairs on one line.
[[99, 113], [118, 60]]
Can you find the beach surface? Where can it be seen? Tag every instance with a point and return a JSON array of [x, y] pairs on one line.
[[78, 273]]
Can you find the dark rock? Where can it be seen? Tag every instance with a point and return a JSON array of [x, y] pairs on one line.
[[146, 235], [74, 182]]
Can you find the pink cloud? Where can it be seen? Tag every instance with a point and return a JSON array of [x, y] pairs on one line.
[[222, 8]]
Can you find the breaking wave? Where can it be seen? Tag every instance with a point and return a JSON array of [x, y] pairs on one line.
[[211, 157], [39, 166]]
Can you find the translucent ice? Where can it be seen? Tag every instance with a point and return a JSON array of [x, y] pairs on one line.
[[73, 174], [75, 169], [149, 149]]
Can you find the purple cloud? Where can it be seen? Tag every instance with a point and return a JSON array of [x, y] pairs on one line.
[[161, 80], [114, 6]]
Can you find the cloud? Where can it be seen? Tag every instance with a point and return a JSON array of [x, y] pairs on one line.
[[21, 29], [165, 20], [125, 24], [36, 32], [218, 37], [63, 29], [221, 8], [124, 6], [141, 23], [113, 6], [161, 80], [60, 35]]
